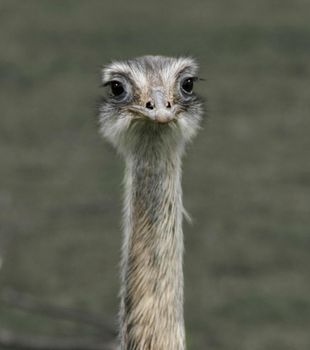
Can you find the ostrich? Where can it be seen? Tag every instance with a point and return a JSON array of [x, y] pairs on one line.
[[149, 113]]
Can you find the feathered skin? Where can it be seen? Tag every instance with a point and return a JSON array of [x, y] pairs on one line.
[[150, 123]]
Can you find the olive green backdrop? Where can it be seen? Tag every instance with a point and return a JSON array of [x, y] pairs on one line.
[[246, 176]]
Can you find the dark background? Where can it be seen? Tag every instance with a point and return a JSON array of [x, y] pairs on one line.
[[246, 176]]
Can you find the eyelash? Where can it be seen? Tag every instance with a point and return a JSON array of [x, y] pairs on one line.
[[117, 88]]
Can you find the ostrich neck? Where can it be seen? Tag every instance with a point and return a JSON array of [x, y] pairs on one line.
[[152, 294]]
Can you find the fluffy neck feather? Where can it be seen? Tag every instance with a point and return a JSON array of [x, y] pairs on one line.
[[152, 280]]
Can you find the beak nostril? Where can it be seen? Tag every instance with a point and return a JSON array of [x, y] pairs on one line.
[[149, 105], [168, 105]]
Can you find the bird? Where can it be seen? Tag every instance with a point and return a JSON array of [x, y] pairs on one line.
[[149, 112]]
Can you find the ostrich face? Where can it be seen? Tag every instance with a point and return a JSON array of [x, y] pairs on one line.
[[149, 93]]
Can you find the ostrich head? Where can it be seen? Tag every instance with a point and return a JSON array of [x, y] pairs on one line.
[[149, 98]]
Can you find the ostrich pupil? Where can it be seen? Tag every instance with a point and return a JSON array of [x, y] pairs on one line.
[[188, 85], [117, 88]]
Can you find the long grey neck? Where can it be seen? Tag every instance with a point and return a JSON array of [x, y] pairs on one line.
[[152, 280]]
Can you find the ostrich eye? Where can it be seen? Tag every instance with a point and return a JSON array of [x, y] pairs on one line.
[[117, 88], [187, 85]]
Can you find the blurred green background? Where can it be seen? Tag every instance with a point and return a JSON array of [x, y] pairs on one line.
[[246, 176]]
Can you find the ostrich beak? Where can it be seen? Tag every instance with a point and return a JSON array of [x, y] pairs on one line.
[[158, 109], [162, 108]]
